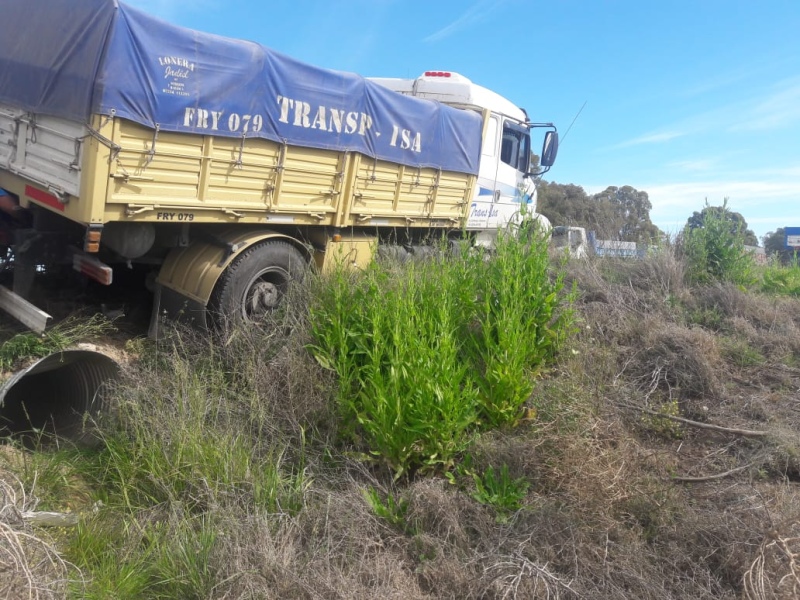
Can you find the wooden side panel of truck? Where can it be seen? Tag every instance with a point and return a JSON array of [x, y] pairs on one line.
[[122, 171]]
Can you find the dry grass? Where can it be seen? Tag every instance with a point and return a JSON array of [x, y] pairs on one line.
[[775, 572], [727, 357], [604, 515], [30, 566]]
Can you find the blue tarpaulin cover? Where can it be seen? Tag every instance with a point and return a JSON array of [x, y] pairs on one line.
[[71, 58]]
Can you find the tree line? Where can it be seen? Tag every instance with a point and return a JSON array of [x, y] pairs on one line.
[[616, 213], [623, 213]]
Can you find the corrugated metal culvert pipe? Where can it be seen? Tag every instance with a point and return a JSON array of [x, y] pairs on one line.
[[55, 395]]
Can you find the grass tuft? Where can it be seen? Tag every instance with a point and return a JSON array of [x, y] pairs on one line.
[[30, 345]]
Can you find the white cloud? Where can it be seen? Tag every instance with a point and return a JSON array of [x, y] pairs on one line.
[[789, 171], [780, 108], [700, 165], [474, 14], [650, 138], [720, 81], [776, 108], [723, 189], [765, 205]]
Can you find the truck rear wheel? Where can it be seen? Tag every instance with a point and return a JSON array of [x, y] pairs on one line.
[[255, 283]]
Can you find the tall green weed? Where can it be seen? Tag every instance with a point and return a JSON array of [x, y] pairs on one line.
[[427, 351], [716, 252], [519, 322], [395, 343]]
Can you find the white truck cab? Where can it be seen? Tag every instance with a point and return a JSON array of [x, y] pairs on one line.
[[571, 240], [506, 188]]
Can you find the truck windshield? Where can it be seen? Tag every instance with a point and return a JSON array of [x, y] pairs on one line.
[[516, 148]]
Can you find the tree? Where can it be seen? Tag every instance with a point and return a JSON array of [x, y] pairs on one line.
[[535, 166], [737, 224], [631, 209], [618, 213], [563, 204], [775, 245]]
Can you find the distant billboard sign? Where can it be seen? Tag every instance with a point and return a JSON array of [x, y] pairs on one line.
[[793, 237]]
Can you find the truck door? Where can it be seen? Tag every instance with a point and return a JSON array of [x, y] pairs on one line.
[[486, 190], [511, 187]]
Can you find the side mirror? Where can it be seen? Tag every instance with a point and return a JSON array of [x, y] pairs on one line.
[[549, 149]]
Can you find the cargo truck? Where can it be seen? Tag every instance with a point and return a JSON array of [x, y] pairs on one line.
[[579, 243], [226, 168]]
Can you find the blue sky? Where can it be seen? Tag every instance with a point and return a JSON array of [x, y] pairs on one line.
[[687, 100]]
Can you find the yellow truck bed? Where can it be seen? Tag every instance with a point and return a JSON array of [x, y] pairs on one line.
[[123, 171]]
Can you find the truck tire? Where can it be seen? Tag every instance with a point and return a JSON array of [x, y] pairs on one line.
[[255, 283]]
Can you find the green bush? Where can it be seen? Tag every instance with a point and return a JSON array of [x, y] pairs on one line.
[[661, 425], [495, 488], [396, 345], [715, 251], [518, 321], [393, 511], [425, 351], [499, 490]]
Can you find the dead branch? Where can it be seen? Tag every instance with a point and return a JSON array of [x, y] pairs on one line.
[[698, 424], [712, 477], [50, 519]]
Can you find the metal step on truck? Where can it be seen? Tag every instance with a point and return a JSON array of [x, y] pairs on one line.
[[225, 168]]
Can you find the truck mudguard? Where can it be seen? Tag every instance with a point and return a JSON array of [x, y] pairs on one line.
[[194, 270], [71, 59]]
